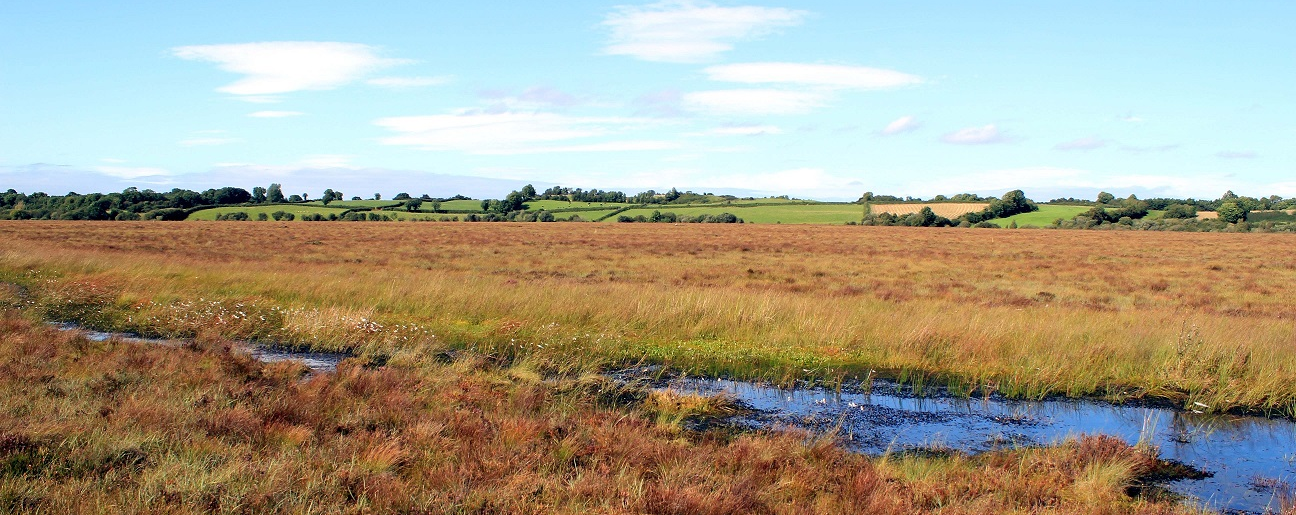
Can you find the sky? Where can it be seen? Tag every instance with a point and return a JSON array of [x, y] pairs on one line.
[[813, 99]]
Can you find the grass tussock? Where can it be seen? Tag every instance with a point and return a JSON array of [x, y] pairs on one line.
[[1025, 313], [120, 427]]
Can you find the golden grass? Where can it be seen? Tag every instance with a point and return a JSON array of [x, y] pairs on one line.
[[121, 427], [1182, 316], [945, 209]]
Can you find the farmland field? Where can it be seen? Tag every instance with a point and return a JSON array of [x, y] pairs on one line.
[[296, 209], [1024, 313], [765, 214], [358, 203], [1045, 216], [946, 209], [563, 205]]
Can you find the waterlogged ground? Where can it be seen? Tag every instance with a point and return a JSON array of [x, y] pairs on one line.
[[1250, 461], [316, 361], [1238, 463]]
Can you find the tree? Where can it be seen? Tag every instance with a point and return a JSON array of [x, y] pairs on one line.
[[401, 196], [1180, 211], [436, 206], [295, 198], [377, 196], [529, 192], [413, 204], [329, 196], [275, 193], [1105, 198], [259, 195], [1232, 213]]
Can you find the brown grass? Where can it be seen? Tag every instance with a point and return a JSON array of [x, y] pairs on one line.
[[945, 209], [1184, 316], [120, 427]]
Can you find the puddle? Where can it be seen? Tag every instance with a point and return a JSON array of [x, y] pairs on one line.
[[316, 361], [1250, 459]]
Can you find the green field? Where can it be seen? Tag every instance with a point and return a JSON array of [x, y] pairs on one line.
[[1045, 216], [358, 203], [775, 214], [296, 209], [563, 205]]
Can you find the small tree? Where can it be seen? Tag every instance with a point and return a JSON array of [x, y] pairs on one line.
[[275, 193], [295, 198], [436, 206], [413, 205], [377, 196], [329, 196], [401, 196], [1105, 198], [529, 192], [259, 195], [1232, 213]]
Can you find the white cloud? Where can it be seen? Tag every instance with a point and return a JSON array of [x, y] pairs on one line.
[[327, 161], [275, 114], [901, 125], [260, 99], [746, 130], [815, 75], [208, 142], [1130, 118], [132, 172], [687, 31], [112, 160], [815, 183], [1233, 154], [976, 136], [1083, 144], [407, 82], [286, 66], [1150, 149], [478, 132], [1072, 180], [752, 101]]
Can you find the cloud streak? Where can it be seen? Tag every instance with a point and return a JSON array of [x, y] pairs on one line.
[[901, 125], [812, 75], [686, 31], [277, 67], [752, 101], [984, 135], [477, 132]]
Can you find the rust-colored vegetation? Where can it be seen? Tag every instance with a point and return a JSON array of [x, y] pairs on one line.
[[1182, 317], [124, 427]]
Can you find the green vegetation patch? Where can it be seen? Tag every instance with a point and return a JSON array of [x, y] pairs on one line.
[[1045, 216], [821, 213], [296, 209]]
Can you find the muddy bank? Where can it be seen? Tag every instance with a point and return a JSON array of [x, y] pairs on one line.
[[316, 361]]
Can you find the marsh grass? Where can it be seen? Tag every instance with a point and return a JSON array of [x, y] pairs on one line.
[[125, 427], [1029, 314]]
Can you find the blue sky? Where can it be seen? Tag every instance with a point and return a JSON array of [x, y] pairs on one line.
[[815, 99]]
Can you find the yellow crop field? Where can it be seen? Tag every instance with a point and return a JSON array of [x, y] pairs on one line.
[[945, 209]]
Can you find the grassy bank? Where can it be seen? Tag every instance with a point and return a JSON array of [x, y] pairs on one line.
[[1180, 317], [121, 427]]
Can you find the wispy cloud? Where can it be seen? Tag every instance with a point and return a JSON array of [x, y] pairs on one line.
[[901, 125], [112, 160], [1152, 149], [687, 31], [752, 101], [985, 135], [208, 141], [1130, 118], [327, 161], [1233, 154], [1082, 144], [132, 172], [813, 75], [745, 130], [534, 98], [407, 82], [278, 67], [275, 114], [478, 132]]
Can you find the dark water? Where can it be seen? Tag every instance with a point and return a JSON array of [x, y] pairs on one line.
[[1252, 459], [316, 361]]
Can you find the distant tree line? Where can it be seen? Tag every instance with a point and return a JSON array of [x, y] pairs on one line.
[[1012, 203], [670, 218]]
